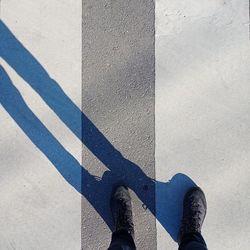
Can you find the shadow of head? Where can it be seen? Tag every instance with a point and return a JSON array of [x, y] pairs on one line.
[[169, 202]]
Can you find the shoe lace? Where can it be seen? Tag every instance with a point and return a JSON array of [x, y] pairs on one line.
[[124, 217], [192, 220]]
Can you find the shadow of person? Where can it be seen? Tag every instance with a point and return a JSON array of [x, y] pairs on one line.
[[121, 170]]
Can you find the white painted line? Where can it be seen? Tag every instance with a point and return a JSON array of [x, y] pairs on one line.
[[41, 210], [202, 114]]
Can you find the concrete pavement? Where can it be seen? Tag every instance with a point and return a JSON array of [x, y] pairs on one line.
[[202, 113], [164, 92], [39, 210]]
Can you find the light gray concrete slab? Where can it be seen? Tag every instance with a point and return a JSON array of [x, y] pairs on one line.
[[39, 209], [202, 113], [118, 97]]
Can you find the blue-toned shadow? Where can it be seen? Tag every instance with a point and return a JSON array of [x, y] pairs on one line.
[[169, 195]]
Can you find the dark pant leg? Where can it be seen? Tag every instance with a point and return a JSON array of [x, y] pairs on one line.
[[121, 240], [193, 241]]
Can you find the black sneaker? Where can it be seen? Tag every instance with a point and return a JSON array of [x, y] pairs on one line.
[[121, 209], [194, 212]]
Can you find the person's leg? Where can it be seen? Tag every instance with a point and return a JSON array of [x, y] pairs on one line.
[[193, 241], [121, 208], [122, 240], [194, 212]]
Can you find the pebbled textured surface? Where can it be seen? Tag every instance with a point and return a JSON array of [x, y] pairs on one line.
[[118, 97]]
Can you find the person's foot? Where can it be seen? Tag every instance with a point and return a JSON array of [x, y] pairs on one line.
[[121, 209], [194, 212]]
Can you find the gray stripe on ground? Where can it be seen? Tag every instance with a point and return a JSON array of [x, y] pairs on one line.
[[118, 96]]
